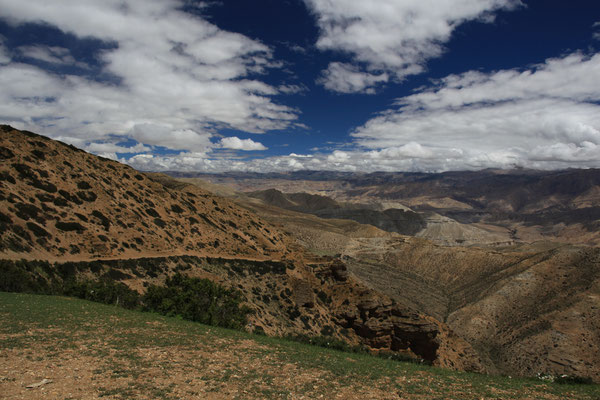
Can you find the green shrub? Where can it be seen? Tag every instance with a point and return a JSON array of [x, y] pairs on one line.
[[573, 380], [103, 291], [152, 212], [14, 278], [177, 209], [103, 219], [70, 226], [199, 300], [87, 196], [83, 185], [27, 211], [37, 230], [323, 297]]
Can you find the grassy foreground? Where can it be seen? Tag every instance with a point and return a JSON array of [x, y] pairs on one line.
[[90, 351]]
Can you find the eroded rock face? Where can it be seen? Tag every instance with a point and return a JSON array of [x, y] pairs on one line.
[[339, 271], [383, 325], [303, 293]]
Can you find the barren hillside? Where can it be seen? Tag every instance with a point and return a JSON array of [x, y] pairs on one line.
[[58, 201], [480, 207], [68, 207], [525, 308]]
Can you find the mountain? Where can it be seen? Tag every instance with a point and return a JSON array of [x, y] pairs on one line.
[[526, 308], [57, 201], [392, 219], [521, 308], [67, 216], [481, 207]]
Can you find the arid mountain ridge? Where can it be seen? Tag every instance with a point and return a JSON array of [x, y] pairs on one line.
[[504, 206], [58, 201], [526, 307], [392, 219], [515, 308], [94, 218]]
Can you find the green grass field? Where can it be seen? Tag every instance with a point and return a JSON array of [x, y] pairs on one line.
[[91, 350]]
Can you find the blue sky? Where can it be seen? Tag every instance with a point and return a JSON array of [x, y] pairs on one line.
[[278, 85]]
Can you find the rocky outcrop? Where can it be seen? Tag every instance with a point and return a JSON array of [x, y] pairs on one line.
[[303, 293], [384, 325], [339, 271]]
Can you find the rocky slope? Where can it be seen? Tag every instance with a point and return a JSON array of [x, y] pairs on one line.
[[58, 201], [526, 309], [94, 218]]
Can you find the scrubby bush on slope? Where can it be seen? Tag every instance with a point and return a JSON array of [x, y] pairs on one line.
[[197, 300]]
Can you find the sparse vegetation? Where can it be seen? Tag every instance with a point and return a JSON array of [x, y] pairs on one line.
[[83, 185], [104, 291], [104, 221], [69, 226], [121, 353], [175, 208], [87, 196], [37, 230]]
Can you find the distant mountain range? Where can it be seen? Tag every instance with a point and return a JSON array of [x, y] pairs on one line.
[[518, 205]]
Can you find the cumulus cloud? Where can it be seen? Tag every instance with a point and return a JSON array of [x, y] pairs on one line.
[[542, 117], [394, 36], [51, 54], [236, 143], [104, 148], [4, 57], [292, 89], [596, 34], [177, 78], [346, 78]]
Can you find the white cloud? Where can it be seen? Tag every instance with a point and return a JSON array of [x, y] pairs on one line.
[[541, 117], [395, 36], [52, 54], [174, 139], [345, 78], [292, 89], [4, 57], [596, 35], [179, 75], [112, 148], [236, 143], [544, 117]]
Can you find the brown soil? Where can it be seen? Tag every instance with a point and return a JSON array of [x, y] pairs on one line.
[[58, 202]]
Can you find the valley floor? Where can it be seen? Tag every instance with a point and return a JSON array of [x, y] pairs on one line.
[[91, 351]]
